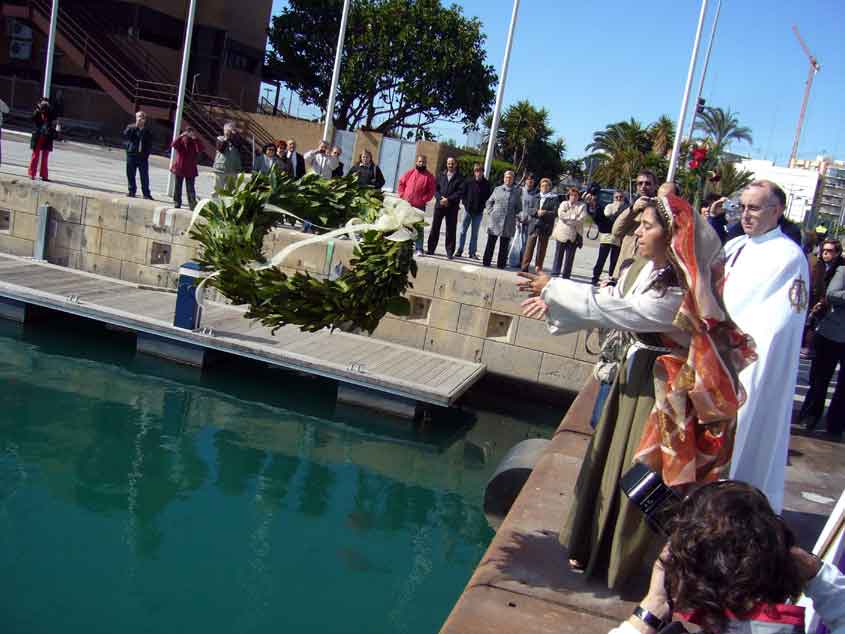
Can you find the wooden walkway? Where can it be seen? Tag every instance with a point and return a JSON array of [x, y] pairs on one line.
[[385, 367]]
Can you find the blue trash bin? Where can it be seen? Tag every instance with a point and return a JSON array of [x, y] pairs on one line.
[[188, 310]]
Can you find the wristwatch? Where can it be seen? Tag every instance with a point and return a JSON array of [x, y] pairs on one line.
[[648, 618]]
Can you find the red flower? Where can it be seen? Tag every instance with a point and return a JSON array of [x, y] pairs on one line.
[[694, 164], [699, 154]]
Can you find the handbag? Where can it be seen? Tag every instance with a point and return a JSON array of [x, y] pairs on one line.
[[594, 236]]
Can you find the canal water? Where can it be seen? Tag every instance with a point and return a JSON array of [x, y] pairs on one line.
[[137, 496]]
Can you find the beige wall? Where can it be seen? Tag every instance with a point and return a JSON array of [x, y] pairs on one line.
[[368, 140], [307, 133], [462, 311]]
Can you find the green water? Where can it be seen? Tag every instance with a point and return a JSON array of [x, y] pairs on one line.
[[137, 496]]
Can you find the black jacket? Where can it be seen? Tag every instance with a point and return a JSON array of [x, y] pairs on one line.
[[604, 222], [451, 190], [139, 141], [43, 126], [368, 175], [543, 225], [299, 171], [338, 171], [476, 193]]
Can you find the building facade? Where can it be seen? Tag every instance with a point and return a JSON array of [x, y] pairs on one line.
[[141, 42], [801, 186]]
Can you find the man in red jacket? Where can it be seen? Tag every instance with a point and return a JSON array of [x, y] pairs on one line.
[[188, 147], [417, 186]]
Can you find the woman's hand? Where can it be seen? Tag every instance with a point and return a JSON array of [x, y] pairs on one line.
[[656, 599], [534, 282], [807, 563], [534, 307]]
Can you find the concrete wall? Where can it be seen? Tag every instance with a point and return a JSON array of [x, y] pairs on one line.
[[458, 310]]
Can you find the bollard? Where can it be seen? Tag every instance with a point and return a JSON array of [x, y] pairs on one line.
[[506, 482], [188, 299]]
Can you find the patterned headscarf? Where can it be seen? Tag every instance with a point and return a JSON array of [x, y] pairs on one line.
[[689, 433]]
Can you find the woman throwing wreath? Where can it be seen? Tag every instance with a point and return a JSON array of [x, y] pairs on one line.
[[674, 400]]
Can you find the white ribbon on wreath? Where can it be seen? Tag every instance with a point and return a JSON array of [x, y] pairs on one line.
[[398, 219]]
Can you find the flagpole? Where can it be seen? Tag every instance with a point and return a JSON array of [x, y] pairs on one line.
[[679, 130], [51, 49], [183, 85], [500, 92], [704, 70], [327, 130]]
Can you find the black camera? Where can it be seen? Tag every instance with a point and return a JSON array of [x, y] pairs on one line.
[[649, 493]]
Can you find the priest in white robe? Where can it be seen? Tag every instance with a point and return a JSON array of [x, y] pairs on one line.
[[765, 293]]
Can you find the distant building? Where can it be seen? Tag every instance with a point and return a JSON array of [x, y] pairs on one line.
[[801, 186], [113, 56], [829, 210]]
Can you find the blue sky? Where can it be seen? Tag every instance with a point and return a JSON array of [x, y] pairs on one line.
[[594, 63]]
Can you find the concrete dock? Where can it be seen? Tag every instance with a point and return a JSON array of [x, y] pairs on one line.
[[381, 368]]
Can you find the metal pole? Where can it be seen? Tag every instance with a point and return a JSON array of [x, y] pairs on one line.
[[183, 85], [51, 49], [706, 64], [676, 148], [497, 112], [327, 129]]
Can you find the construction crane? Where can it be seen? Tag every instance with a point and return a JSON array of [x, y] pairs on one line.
[[814, 68]]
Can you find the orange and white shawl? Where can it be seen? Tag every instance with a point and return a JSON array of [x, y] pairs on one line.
[[688, 436]]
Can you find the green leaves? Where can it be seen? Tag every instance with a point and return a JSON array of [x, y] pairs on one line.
[[232, 238], [405, 63]]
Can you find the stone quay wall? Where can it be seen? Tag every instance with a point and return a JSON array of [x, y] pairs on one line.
[[459, 310]]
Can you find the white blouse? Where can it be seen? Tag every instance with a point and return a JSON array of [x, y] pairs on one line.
[[576, 306]]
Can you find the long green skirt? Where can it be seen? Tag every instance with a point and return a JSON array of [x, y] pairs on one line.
[[604, 531]]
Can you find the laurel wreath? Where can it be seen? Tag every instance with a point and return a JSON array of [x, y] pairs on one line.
[[232, 234]]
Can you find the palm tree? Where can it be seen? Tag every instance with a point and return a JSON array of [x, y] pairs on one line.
[[733, 179], [621, 149], [662, 133], [722, 128]]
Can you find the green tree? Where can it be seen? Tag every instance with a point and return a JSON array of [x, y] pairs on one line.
[[406, 63], [524, 139], [662, 134], [622, 149], [732, 179], [722, 128]]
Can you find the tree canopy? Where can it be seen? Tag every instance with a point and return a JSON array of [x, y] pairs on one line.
[[721, 127], [406, 63], [525, 139]]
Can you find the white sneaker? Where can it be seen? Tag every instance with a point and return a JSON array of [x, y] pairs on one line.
[[419, 254]]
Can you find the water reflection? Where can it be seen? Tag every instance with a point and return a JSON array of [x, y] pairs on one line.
[[161, 487]]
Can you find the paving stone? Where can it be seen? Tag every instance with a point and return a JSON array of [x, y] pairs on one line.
[[400, 331], [123, 246], [473, 321], [68, 205], [24, 225], [484, 610], [512, 360], [564, 372], [465, 284], [19, 194], [106, 211], [533, 333], [506, 296], [16, 246], [453, 344], [100, 264]]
